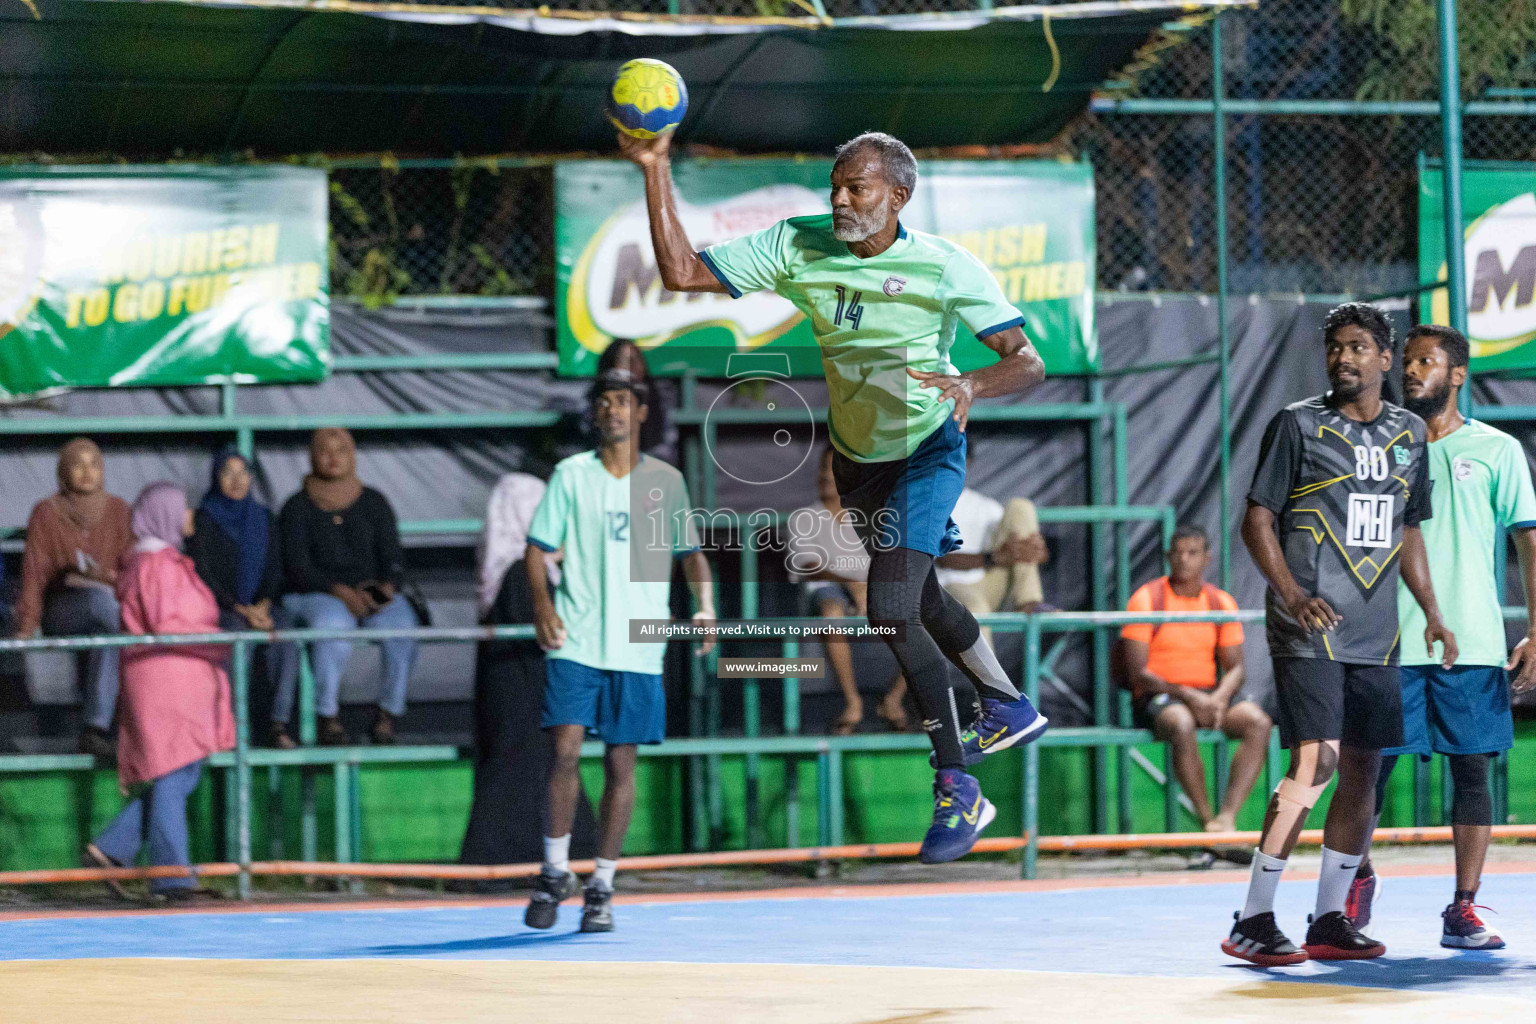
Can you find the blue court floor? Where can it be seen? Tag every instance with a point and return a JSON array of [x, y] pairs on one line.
[[1141, 931]]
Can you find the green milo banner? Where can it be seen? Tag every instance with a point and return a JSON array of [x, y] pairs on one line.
[[162, 275], [1499, 220], [1030, 222]]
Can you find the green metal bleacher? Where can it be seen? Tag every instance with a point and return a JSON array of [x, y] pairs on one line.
[[1108, 517]]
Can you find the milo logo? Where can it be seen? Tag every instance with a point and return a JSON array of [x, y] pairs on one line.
[[21, 258], [616, 289], [1501, 272]]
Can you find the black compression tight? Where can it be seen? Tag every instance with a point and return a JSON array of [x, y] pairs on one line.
[[1471, 800], [934, 631]]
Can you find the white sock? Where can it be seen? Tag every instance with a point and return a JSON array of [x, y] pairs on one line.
[[1262, 883], [557, 854], [603, 875], [1333, 881]]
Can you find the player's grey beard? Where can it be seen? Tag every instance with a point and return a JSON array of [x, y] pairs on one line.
[[1430, 404], [862, 228]]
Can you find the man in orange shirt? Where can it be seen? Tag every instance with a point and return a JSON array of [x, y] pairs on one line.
[[1173, 672]]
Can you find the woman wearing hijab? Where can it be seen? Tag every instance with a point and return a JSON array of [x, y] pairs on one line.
[[74, 541], [175, 700], [512, 754], [342, 557], [234, 546]]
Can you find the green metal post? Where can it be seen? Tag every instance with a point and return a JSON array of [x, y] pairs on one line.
[[240, 668], [791, 764], [342, 795], [1122, 498], [707, 463], [275, 812], [1098, 549], [792, 693], [824, 798], [1450, 137], [1420, 793], [835, 797], [751, 689], [1223, 337], [1170, 791], [1031, 769], [307, 731]]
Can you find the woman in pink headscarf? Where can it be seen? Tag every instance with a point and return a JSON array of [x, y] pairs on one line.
[[174, 709]]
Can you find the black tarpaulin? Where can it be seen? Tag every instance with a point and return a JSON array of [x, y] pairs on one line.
[[153, 79]]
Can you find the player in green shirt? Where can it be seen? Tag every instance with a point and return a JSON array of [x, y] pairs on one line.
[[1481, 484], [615, 514], [885, 304]]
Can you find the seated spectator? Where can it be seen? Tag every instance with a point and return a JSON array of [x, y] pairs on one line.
[[658, 433], [74, 541], [1173, 674], [998, 569], [175, 700], [341, 552], [512, 753], [234, 546], [827, 555]]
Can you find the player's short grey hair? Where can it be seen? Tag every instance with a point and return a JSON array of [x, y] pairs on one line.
[[897, 160]]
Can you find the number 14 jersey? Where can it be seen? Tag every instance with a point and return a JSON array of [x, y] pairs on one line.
[[1342, 491]]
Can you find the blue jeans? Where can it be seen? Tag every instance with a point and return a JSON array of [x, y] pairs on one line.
[[329, 657], [159, 818], [282, 659], [86, 611]]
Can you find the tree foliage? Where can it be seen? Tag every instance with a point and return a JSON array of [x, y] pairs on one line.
[[1497, 46]]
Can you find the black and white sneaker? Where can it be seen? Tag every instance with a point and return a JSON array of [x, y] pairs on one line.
[[1259, 940], [597, 913], [550, 891], [1335, 937]]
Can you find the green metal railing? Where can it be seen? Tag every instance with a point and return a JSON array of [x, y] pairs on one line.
[[791, 746]]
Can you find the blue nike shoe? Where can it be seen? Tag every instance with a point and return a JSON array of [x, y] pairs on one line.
[[999, 726], [960, 812]]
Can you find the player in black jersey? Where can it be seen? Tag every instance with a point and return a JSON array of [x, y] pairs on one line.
[[1341, 487]]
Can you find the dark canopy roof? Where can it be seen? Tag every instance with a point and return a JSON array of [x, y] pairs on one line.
[[153, 79]]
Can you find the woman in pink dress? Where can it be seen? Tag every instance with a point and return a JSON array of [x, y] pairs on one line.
[[174, 709]]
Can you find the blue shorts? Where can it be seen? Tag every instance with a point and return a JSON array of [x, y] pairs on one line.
[[616, 707], [1459, 710], [917, 493]]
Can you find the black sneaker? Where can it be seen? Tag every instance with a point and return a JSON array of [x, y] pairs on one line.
[[550, 891], [1334, 937], [1259, 940], [597, 913]]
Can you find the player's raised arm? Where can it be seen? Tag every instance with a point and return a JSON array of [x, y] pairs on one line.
[[679, 263]]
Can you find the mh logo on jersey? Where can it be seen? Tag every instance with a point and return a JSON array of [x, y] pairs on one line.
[[1370, 520]]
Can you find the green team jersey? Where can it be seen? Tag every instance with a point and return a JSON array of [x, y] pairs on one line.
[[1481, 485], [620, 535], [873, 319]]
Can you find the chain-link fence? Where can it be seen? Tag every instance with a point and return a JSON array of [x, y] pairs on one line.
[[1321, 203], [472, 229], [1317, 203]]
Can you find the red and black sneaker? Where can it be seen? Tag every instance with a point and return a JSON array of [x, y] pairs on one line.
[[1333, 937], [1259, 940], [1361, 898]]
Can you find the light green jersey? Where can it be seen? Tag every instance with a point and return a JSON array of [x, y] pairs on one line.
[[873, 319], [1480, 485], [620, 535]]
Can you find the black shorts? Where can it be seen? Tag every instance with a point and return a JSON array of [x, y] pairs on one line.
[[1146, 708], [1358, 705]]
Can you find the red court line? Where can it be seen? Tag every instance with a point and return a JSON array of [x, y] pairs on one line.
[[876, 891]]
